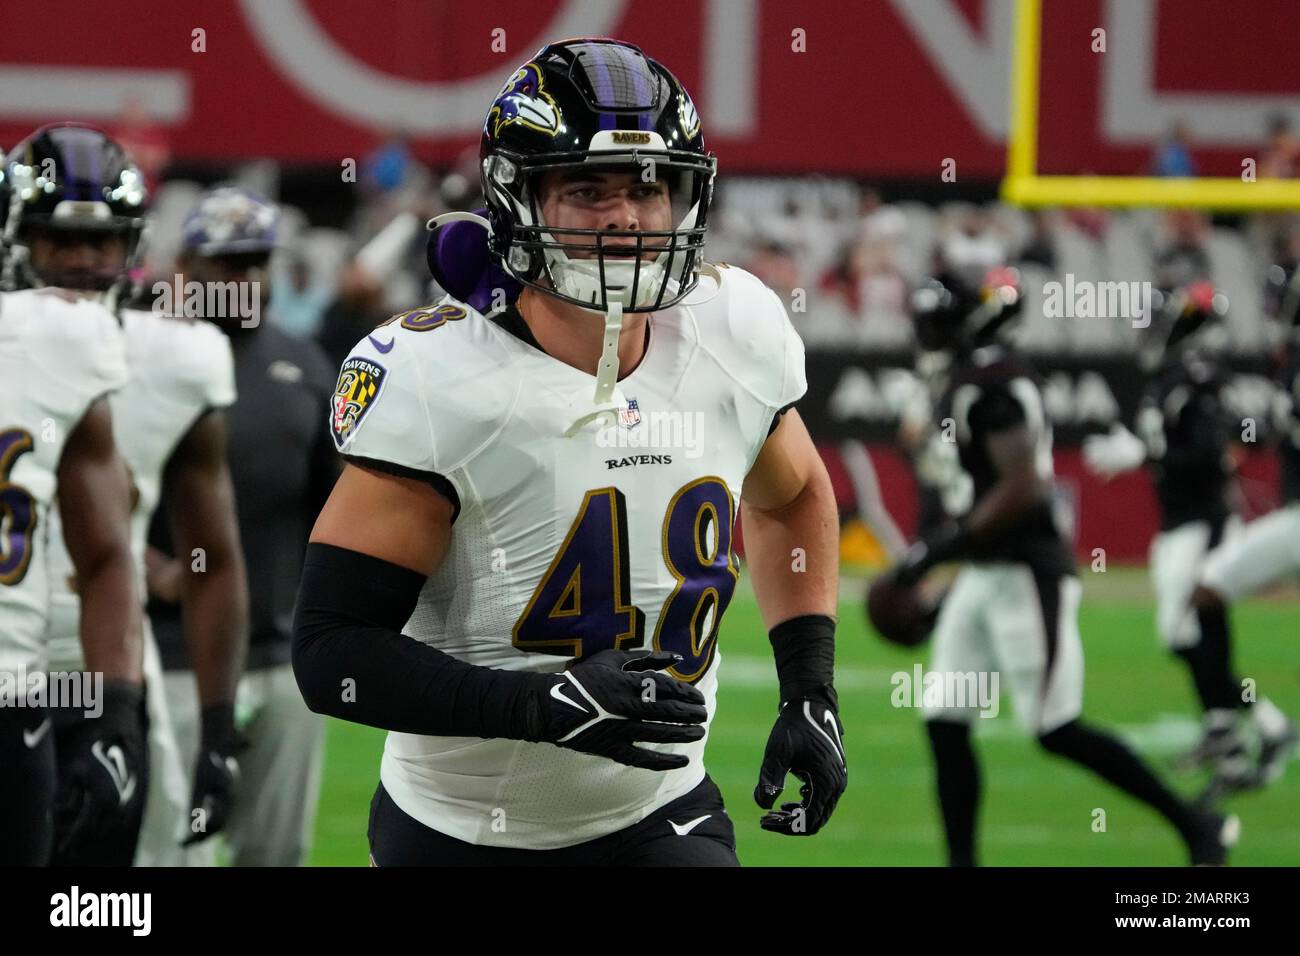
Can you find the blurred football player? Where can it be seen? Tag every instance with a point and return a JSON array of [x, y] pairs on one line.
[[283, 465], [561, 572], [1184, 432], [1013, 608], [169, 429], [1265, 552], [70, 216]]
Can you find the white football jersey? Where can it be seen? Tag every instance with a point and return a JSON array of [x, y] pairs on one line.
[[619, 536], [178, 368], [57, 356]]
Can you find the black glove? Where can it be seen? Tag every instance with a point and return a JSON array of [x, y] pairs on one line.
[[216, 773], [943, 544], [807, 741], [607, 703], [102, 783]]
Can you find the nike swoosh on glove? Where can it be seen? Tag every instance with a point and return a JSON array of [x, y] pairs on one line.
[[216, 773], [101, 782], [807, 741], [608, 703]]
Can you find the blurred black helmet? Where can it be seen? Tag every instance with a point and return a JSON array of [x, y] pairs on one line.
[[598, 105], [73, 178], [949, 315], [1189, 319]]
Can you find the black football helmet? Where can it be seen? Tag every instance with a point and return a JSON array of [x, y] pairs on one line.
[[1186, 320], [68, 177], [948, 315], [602, 104]]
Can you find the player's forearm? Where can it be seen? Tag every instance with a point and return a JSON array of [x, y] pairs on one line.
[[1010, 499], [792, 553], [110, 615], [352, 661], [215, 615]]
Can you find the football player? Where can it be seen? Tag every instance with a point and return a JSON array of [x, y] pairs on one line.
[[283, 465], [1013, 607], [522, 571], [66, 223], [1184, 432], [169, 429], [1266, 551]]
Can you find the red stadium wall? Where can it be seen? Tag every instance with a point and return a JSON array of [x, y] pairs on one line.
[[869, 87]]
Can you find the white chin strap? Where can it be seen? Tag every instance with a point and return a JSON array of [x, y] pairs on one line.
[[606, 374]]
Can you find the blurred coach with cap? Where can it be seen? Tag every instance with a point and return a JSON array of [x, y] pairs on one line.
[[283, 465]]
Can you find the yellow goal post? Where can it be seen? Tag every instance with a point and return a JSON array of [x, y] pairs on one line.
[[1023, 186]]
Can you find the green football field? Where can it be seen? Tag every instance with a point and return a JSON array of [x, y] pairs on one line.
[[1037, 810]]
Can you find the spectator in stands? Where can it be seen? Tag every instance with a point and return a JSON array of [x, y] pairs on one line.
[[1172, 155], [354, 314], [386, 168], [870, 286], [1277, 284], [145, 139], [774, 263], [300, 296], [1185, 259], [880, 220], [1040, 247], [1281, 159]]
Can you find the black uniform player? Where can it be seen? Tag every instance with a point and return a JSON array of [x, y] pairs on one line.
[[1265, 552], [1012, 611], [1184, 434]]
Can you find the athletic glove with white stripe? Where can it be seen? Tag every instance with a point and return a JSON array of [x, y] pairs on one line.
[[608, 703], [807, 741], [216, 773], [102, 782]]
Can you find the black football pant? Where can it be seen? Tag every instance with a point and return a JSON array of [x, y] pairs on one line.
[[398, 840], [27, 778]]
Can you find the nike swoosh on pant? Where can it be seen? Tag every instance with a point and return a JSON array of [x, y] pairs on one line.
[[681, 829], [33, 737]]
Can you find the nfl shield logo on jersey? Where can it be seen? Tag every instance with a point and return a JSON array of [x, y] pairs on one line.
[[630, 416], [359, 383]]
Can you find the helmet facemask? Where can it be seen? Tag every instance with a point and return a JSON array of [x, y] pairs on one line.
[[640, 270]]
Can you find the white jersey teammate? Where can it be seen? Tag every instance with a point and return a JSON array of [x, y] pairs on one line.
[[70, 205], [181, 372]]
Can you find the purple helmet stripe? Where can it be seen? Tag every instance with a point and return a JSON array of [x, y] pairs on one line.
[[604, 83], [630, 61], [93, 184], [69, 171]]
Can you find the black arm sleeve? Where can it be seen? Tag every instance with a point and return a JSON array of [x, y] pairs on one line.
[[352, 661], [805, 654]]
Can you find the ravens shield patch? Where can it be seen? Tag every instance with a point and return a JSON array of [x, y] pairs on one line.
[[360, 381]]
